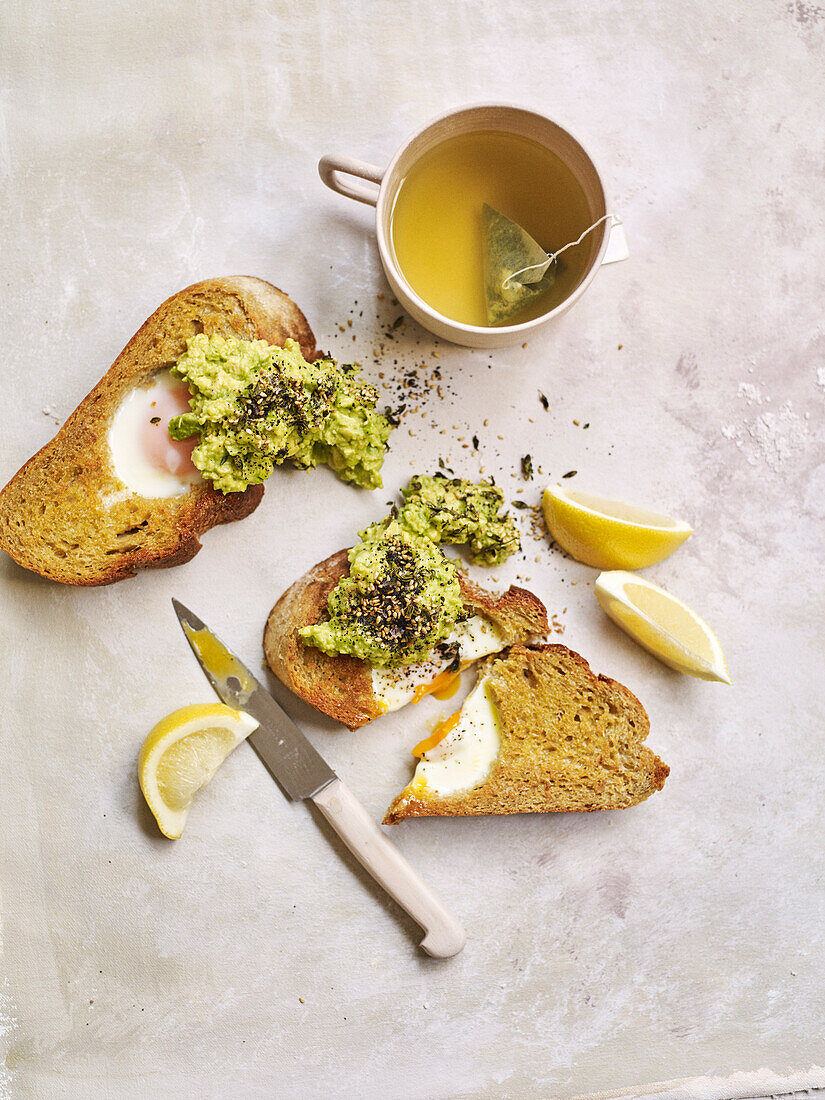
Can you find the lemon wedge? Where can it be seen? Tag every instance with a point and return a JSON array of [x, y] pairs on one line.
[[665, 626], [609, 534], [181, 755]]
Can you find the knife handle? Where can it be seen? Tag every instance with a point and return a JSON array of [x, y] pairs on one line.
[[444, 935]]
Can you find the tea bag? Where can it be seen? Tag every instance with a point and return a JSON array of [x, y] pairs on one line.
[[516, 268]]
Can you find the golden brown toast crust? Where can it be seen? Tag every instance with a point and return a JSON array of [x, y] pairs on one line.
[[54, 519], [341, 686], [572, 742]]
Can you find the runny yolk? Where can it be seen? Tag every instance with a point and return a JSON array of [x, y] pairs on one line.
[[162, 452], [444, 686], [437, 736]]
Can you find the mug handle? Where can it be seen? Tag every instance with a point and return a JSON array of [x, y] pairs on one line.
[[331, 168]]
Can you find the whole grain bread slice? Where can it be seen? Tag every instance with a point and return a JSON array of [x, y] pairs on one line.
[[571, 741], [341, 686], [66, 515]]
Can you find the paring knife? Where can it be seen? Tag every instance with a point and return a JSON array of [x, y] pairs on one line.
[[302, 773]]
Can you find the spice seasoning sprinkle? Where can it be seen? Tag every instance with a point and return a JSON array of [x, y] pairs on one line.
[[391, 611], [417, 373]]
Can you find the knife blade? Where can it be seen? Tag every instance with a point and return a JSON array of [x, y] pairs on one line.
[[303, 773], [286, 753]]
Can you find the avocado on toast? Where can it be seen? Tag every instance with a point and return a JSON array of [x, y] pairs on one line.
[[343, 686], [68, 516]]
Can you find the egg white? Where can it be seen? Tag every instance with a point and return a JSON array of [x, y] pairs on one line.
[[465, 757], [129, 460], [395, 687]]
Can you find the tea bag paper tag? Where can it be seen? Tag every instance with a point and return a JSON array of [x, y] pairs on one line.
[[617, 244], [516, 268]]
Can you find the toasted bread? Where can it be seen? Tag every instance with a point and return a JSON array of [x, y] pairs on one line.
[[341, 686], [570, 741], [66, 515]]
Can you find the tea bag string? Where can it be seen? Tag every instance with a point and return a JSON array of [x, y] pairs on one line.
[[553, 256]]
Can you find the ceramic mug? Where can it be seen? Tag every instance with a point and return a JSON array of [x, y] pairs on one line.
[[379, 187]]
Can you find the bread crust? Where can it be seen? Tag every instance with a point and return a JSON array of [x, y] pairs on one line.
[[341, 686], [521, 780], [61, 514]]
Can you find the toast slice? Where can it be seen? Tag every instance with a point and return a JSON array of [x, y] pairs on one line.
[[567, 741], [67, 516], [342, 686]]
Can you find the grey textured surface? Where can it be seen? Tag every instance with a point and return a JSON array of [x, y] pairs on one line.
[[145, 146]]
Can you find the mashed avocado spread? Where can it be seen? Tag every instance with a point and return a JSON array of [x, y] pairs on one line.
[[402, 595], [255, 406]]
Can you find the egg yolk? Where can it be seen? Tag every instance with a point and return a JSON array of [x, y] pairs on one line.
[[437, 736], [172, 455], [443, 687]]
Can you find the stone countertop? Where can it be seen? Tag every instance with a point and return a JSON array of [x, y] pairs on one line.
[[143, 147]]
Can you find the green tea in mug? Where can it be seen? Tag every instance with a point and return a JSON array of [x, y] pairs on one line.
[[437, 222]]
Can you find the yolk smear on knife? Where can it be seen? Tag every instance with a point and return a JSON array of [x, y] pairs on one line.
[[437, 736], [221, 663]]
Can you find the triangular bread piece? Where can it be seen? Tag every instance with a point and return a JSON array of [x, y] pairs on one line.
[[66, 515], [342, 686], [570, 741]]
